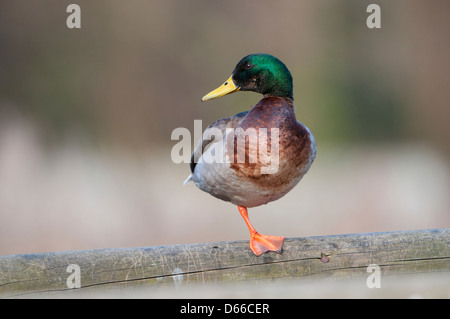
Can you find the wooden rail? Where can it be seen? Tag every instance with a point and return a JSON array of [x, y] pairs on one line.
[[336, 257]]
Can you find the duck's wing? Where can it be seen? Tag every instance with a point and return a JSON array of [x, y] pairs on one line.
[[203, 144]]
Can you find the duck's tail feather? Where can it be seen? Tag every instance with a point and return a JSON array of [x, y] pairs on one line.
[[188, 180]]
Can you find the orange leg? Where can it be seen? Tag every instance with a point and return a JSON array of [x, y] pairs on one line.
[[259, 244]]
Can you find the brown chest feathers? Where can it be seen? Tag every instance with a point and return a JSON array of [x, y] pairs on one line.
[[270, 146]]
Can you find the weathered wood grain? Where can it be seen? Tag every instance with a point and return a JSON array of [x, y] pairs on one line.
[[341, 256]]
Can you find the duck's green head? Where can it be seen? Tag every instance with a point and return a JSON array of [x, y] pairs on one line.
[[261, 73]]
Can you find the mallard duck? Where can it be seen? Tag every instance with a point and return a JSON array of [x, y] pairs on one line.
[[247, 183]]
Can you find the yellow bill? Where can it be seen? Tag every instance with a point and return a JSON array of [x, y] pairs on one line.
[[226, 88]]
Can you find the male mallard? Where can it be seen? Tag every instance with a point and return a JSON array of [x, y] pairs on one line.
[[249, 183]]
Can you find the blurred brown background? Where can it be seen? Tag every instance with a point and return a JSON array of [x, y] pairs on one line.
[[86, 117]]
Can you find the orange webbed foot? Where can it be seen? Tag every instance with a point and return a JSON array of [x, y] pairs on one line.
[[259, 243]]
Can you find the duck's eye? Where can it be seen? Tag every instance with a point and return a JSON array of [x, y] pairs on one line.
[[249, 65]]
